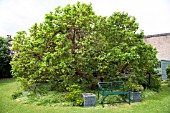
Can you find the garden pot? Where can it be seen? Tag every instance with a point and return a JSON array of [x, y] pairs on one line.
[[136, 96], [89, 99]]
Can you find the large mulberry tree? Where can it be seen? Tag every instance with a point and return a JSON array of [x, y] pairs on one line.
[[74, 45]]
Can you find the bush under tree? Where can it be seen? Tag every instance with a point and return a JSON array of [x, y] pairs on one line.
[[168, 72], [74, 45], [5, 58]]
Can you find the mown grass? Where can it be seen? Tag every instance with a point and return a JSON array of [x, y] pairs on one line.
[[152, 103]]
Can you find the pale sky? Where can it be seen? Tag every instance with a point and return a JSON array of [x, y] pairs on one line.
[[153, 16]]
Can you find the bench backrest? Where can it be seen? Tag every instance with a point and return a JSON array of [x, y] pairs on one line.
[[104, 86], [111, 86], [118, 85]]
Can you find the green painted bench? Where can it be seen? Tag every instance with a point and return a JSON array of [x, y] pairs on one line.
[[112, 88]]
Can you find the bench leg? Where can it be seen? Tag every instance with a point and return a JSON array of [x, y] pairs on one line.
[[103, 99], [129, 97], [98, 95], [102, 102]]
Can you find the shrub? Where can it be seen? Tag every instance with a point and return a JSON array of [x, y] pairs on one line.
[[136, 87], [155, 84], [75, 95], [135, 83], [5, 58], [16, 94], [168, 71]]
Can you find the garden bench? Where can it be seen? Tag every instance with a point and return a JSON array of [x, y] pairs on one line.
[[112, 88]]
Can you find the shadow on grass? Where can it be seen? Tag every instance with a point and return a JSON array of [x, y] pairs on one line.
[[6, 81]]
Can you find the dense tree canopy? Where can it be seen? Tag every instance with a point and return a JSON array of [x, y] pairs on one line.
[[4, 58], [74, 45]]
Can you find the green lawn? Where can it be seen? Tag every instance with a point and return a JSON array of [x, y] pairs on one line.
[[152, 103]]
